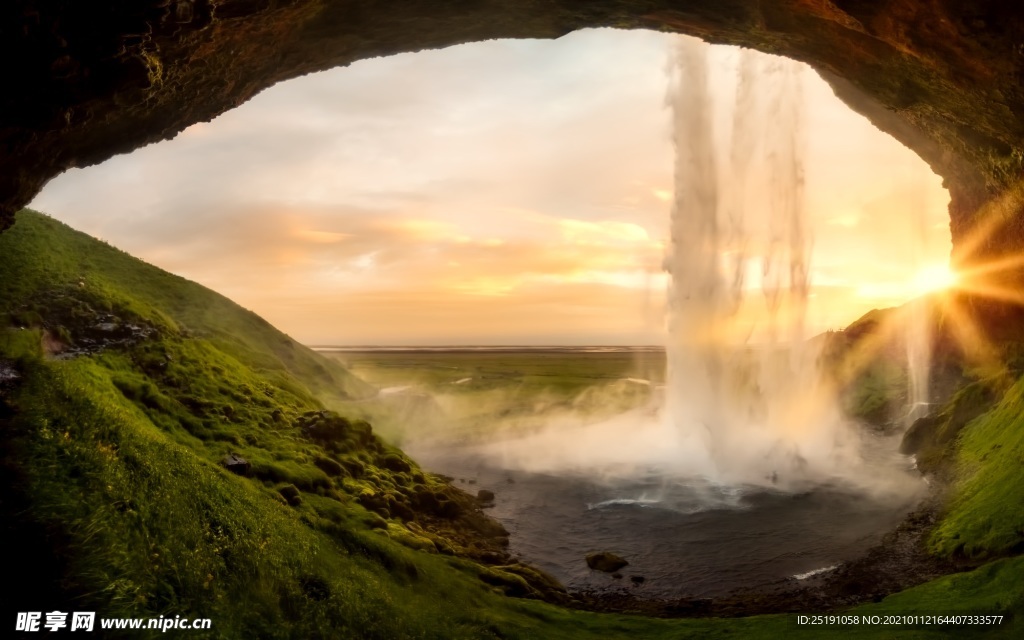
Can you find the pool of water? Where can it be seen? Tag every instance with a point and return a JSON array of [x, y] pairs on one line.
[[686, 536]]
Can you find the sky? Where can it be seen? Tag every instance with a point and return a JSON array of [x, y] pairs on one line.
[[503, 192]]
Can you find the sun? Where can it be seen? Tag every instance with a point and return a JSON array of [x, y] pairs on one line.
[[933, 278]]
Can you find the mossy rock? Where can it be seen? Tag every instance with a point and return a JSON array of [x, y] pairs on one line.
[[374, 521], [331, 467], [402, 512], [544, 583], [407, 538], [291, 494], [510, 583], [371, 500], [394, 462], [355, 468], [324, 426]]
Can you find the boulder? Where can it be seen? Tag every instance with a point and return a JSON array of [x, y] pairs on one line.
[[485, 496], [605, 561], [236, 464]]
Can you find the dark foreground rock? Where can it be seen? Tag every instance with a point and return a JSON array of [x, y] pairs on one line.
[[605, 561], [236, 464]]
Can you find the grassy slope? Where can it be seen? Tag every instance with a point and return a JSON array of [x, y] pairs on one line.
[[113, 278], [986, 514], [112, 484]]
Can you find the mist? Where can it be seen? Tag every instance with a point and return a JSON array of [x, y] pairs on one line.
[[742, 403]]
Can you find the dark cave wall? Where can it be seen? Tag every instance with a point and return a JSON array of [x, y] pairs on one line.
[[87, 80]]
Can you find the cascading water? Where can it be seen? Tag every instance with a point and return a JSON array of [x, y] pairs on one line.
[[917, 325], [697, 488], [746, 391]]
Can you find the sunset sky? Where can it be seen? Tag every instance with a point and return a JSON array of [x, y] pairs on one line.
[[506, 192]]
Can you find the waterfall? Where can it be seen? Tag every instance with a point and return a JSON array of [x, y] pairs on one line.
[[917, 325], [743, 385]]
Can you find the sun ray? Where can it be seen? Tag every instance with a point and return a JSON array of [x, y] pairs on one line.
[[994, 291], [866, 350], [1005, 263], [976, 348]]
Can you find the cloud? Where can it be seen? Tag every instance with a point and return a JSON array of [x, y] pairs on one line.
[[498, 191]]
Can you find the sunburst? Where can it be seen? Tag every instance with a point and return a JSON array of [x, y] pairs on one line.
[[979, 276]]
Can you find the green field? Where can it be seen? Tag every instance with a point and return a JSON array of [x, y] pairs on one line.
[[476, 394]]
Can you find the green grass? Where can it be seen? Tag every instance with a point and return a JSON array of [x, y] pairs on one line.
[[114, 491], [43, 259], [984, 517]]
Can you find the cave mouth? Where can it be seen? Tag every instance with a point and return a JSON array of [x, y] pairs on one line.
[[259, 242], [472, 178]]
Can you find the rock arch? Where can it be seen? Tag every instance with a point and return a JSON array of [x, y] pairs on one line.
[[86, 80]]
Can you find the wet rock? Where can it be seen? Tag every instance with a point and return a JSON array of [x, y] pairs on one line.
[[236, 464], [605, 561], [637, 580], [485, 496]]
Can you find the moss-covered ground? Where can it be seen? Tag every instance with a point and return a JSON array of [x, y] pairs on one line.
[[123, 388]]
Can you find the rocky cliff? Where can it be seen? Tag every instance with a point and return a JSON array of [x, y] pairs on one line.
[[86, 80]]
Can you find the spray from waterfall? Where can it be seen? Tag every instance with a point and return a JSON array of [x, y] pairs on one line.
[[744, 407], [743, 383]]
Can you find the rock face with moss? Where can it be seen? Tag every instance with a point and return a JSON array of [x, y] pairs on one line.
[[84, 81]]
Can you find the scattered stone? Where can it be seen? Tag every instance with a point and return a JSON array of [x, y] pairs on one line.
[[605, 561], [236, 464], [638, 580], [485, 496]]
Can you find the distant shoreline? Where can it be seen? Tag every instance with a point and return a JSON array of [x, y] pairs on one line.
[[490, 349]]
